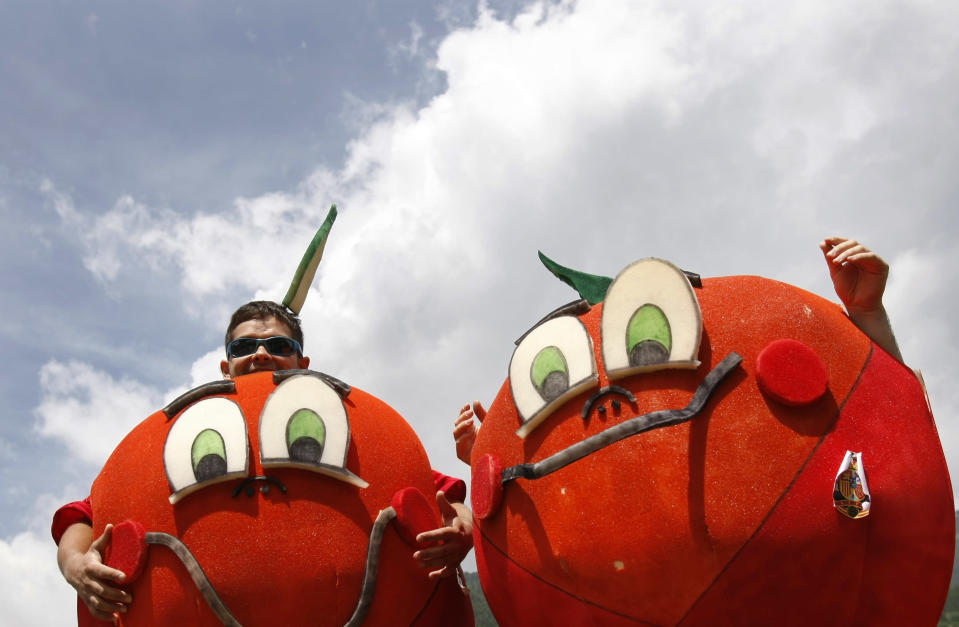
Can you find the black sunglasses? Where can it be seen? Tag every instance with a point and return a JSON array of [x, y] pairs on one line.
[[278, 346]]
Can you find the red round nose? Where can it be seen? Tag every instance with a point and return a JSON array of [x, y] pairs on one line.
[[128, 549], [791, 372], [414, 514], [487, 486]]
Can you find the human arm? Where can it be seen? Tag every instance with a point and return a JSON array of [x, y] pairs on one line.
[[859, 277], [465, 429], [448, 544], [80, 558]]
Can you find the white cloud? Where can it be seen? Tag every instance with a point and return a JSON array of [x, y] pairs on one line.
[[411, 48], [919, 309], [210, 252], [729, 138], [7, 451], [204, 369], [88, 410], [92, 21], [913, 292], [32, 591], [678, 120]]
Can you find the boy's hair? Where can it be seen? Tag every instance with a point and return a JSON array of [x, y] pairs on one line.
[[261, 310]]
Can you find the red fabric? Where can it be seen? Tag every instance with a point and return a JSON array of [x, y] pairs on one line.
[[455, 489], [69, 514]]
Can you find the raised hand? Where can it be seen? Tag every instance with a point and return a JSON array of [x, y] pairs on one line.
[[465, 429]]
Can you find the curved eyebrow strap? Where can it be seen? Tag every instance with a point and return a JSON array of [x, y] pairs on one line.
[[220, 386], [338, 386], [633, 426]]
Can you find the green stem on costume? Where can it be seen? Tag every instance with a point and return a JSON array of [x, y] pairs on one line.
[[307, 269]]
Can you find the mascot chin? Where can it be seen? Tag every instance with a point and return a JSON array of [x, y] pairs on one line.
[[731, 451]]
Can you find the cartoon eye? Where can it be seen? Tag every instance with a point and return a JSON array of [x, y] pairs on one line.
[[648, 338], [551, 364], [651, 320], [305, 436], [207, 444], [304, 424]]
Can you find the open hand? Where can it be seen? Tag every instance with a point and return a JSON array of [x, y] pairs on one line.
[[465, 429], [448, 544]]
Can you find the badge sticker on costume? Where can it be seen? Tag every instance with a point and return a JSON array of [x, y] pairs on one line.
[[850, 494]]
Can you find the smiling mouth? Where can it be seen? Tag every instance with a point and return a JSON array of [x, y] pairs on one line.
[[206, 588], [633, 426]]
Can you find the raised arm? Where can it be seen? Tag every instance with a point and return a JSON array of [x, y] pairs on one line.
[[465, 429], [859, 277]]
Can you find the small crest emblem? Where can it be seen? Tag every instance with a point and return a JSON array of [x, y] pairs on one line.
[[850, 493]]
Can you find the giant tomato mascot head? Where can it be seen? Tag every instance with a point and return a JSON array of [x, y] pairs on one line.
[[283, 498], [707, 455]]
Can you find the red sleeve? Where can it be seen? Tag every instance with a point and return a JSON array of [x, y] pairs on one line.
[[76, 512], [454, 488]]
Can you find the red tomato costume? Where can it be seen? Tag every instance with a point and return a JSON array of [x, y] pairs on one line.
[[271, 488], [697, 489]]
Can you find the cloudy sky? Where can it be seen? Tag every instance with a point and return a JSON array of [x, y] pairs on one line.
[[163, 162]]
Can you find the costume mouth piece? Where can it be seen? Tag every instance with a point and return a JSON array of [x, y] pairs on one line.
[[222, 612], [633, 426]]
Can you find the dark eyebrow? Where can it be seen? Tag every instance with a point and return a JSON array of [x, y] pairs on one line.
[[694, 279], [224, 386], [575, 308], [342, 389]]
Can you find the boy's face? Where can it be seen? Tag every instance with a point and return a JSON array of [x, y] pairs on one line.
[[261, 359]]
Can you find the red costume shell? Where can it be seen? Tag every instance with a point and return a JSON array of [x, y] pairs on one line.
[[727, 517], [282, 538]]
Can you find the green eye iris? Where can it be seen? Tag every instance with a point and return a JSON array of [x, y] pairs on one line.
[[305, 436], [549, 373], [208, 455], [648, 338]]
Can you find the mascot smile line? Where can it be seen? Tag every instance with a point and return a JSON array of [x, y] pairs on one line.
[[206, 588], [633, 426]]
